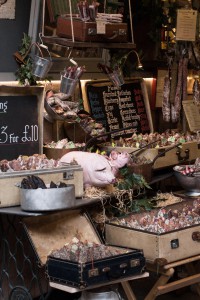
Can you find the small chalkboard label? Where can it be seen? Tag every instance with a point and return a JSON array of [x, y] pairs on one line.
[[20, 127], [116, 108]]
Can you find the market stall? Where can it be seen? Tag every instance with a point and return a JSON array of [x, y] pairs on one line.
[[82, 168]]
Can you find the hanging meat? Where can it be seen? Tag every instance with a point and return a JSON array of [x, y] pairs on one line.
[[175, 88], [196, 90], [166, 103]]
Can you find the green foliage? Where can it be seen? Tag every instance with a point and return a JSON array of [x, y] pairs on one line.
[[25, 45], [130, 181], [24, 73]]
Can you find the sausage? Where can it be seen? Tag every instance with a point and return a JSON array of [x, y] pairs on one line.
[[166, 100]]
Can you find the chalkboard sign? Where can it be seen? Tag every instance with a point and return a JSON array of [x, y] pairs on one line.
[[116, 108], [20, 121]]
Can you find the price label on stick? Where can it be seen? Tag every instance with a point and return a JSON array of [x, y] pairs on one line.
[[101, 27]]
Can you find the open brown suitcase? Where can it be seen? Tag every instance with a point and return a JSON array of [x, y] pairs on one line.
[[53, 231], [87, 31]]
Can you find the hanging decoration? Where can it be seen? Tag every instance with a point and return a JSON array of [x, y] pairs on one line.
[[196, 90], [7, 9]]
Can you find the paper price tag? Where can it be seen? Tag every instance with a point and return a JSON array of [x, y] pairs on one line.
[[101, 27], [186, 25], [192, 113]]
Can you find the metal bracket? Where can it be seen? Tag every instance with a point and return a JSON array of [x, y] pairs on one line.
[[122, 32], [175, 244], [135, 263], [93, 272], [92, 31]]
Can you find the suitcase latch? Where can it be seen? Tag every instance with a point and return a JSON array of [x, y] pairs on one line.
[[181, 157], [122, 31], [93, 272], [92, 31], [174, 244], [135, 263], [68, 175]]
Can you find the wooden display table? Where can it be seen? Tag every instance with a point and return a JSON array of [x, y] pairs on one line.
[[124, 282], [162, 286]]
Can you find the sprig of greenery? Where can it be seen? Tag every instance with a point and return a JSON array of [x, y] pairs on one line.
[[129, 180], [24, 73]]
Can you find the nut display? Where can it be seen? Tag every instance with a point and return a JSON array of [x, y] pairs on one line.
[[85, 251]]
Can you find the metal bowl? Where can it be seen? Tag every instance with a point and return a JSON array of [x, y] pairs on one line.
[[103, 295], [191, 184], [52, 113], [50, 199]]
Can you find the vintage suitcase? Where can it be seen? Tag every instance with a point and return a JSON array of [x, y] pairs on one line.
[[159, 247], [162, 156], [53, 231], [87, 31], [10, 193]]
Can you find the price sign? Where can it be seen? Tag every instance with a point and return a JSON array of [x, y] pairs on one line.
[[186, 25], [116, 108], [20, 121]]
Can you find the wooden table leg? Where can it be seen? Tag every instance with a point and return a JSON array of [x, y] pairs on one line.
[[192, 271], [163, 279], [128, 290]]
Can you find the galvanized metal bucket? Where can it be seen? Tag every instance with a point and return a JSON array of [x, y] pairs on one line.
[[49, 199], [42, 65], [68, 85], [116, 77], [105, 295]]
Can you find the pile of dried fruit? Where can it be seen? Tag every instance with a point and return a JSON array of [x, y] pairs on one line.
[[35, 182]]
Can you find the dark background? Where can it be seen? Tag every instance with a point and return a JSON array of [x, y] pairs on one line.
[[11, 34]]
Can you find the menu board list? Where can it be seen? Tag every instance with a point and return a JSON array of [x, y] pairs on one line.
[[118, 108]]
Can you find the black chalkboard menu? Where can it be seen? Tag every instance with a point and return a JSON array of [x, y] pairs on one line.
[[119, 107], [21, 118]]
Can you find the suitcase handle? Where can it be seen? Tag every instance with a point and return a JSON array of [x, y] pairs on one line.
[[112, 275], [121, 32], [112, 37]]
